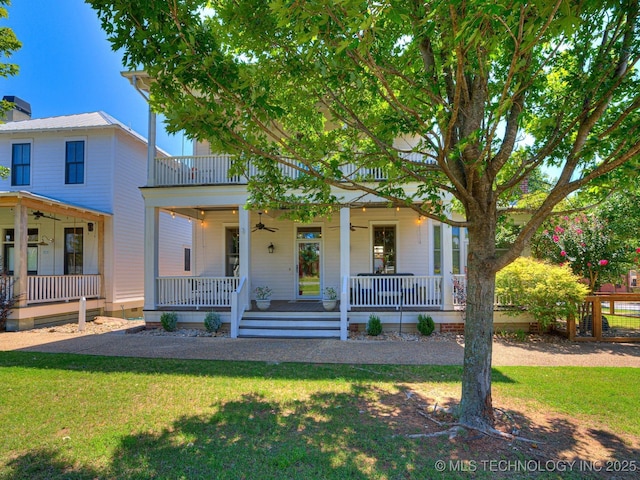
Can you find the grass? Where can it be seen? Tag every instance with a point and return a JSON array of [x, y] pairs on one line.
[[76, 417]]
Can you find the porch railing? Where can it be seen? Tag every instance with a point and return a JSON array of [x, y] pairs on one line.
[[56, 288], [196, 291], [395, 291], [214, 170]]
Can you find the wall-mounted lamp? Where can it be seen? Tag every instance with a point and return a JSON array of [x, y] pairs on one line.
[[271, 248], [45, 241], [90, 226]]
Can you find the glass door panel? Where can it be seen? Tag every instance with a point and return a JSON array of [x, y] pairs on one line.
[[308, 269]]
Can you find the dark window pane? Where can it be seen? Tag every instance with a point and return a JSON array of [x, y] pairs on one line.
[[74, 162], [20, 164]]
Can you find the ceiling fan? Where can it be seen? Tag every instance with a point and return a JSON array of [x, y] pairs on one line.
[[38, 215], [353, 227], [262, 226]]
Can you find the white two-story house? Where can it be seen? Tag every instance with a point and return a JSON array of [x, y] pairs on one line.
[[379, 260], [71, 219]]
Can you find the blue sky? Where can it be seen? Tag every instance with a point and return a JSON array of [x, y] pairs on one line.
[[67, 66]]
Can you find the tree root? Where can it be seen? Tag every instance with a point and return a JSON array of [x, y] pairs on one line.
[[454, 428]]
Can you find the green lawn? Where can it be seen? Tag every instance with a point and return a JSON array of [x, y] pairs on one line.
[[74, 416]]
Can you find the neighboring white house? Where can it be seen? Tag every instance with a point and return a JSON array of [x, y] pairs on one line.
[[71, 218], [380, 260]]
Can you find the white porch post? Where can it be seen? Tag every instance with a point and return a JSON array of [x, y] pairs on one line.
[[151, 234], [447, 267], [20, 281], [245, 249], [151, 150], [345, 268]]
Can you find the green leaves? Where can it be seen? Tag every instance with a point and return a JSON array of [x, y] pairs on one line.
[[491, 91]]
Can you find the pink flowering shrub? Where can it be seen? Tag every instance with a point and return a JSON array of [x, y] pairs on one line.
[[584, 244]]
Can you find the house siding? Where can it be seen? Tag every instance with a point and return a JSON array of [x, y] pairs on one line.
[[175, 236], [129, 173]]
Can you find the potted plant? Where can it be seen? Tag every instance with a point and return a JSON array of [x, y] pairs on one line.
[[263, 297], [330, 298]]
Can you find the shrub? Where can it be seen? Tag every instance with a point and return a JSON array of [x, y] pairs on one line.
[[7, 301], [548, 292], [212, 322], [425, 324], [374, 326], [169, 321]]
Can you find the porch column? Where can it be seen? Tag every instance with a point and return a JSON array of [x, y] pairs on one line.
[[447, 267], [151, 234], [151, 149], [245, 249], [345, 269], [100, 229], [20, 280]]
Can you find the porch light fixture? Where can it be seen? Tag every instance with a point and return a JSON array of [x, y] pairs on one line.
[[271, 248], [173, 214], [46, 241]]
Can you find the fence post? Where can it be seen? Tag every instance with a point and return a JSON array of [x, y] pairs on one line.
[[571, 327], [597, 318]]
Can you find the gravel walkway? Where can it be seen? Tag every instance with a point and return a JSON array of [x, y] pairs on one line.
[[108, 337]]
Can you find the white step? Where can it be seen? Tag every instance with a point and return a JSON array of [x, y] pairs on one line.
[[293, 324], [278, 333], [323, 326]]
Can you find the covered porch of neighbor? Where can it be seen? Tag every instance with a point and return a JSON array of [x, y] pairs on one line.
[[52, 256]]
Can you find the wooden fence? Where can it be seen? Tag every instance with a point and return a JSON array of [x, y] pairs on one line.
[[607, 318]]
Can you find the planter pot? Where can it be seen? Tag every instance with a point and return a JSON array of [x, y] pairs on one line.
[[329, 304], [263, 304]]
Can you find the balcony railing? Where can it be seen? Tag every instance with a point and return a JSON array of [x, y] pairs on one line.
[[215, 170]]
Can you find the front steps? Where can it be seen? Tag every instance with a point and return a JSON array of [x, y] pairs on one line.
[[289, 325]]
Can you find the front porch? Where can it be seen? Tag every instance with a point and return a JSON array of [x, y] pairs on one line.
[[377, 259], [52, 256], [394, 298]]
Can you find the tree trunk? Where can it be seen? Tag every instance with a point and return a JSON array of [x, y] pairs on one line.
[[476, 406]]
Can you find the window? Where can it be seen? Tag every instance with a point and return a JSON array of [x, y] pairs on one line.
[[187, 259], [455, 245], [384, 249], [20, 164], [74, 162], [437, 250], [232, 252], [73, 251], [32, 251]]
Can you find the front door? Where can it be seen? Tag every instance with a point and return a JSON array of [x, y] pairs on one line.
[[309, 242]]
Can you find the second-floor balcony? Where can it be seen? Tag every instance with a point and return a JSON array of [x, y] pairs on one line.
[[216, 170]]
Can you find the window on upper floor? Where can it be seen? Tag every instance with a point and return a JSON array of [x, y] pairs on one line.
[[74, 162], [20, 164]]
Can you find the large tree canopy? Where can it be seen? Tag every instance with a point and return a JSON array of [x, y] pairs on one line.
[[493, 91]]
